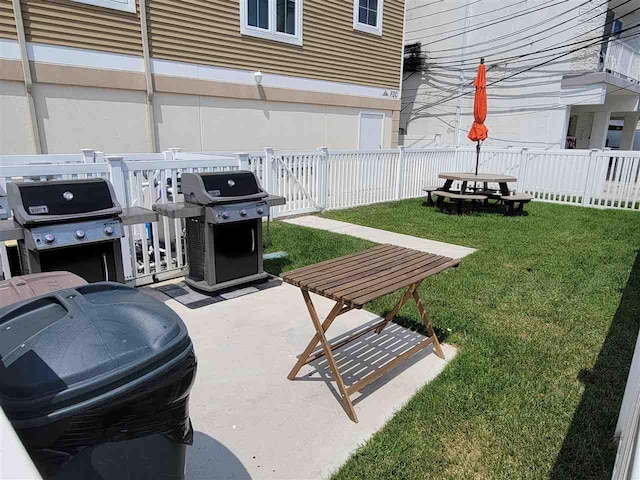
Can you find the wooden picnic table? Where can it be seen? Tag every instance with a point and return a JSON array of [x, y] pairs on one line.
[[354, 280], [484, 178]]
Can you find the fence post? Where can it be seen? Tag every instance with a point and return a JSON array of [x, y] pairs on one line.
[[173, 151], [269, 178], [88, 154], [323, 182], [100, 157], [117, 176], [522, 170], [400, 173], [590, 177], [243, 160]]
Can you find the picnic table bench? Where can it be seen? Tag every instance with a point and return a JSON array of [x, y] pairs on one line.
[[354, 280]]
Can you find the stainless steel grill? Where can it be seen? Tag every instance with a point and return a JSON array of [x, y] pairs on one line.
[[223, 213], [70, 225]]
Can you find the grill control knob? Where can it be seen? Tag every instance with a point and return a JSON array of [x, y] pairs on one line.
[[243, 212], [79, 234], [108, 230], [49, 238], [260, 210], [225, 215]]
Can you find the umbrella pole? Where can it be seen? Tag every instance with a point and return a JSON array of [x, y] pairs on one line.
[[477, 163]]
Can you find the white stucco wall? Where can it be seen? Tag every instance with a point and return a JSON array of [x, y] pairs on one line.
[[15, 128], [71, 118], [526, 110]]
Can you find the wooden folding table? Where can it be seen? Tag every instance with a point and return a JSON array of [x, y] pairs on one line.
[[354, 280]]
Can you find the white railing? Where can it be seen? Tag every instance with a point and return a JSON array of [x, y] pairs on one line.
[[622, 60], [322, 179]]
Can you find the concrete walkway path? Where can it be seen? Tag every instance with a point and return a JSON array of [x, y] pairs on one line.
[[251, 422], [382, 236]]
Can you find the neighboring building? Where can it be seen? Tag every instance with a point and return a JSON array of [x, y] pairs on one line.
[[569, 101], [200, 75]]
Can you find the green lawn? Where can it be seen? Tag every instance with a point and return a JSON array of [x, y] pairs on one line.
[[545, 315]]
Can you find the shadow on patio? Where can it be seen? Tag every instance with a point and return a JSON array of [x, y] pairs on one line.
[[588, 450]]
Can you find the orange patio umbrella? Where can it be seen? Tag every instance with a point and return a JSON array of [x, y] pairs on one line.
[[479, 131]]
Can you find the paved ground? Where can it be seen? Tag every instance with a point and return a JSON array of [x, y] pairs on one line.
[[251, 422], [382, 236]]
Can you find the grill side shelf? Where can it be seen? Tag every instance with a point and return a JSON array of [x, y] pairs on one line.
[[179, 210]]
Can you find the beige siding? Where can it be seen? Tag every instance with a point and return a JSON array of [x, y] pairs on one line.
[[7, 22], [208, 32], [73, 24]]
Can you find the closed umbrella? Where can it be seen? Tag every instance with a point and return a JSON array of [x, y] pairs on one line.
[[478, 130]]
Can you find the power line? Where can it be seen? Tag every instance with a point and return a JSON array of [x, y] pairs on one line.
[[527, 38], [488, 53], [548, 4], [445, 11], [518, 58], [464, 18], [504, 78]]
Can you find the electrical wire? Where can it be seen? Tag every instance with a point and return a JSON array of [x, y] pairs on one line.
[[488, 53], [445, 11], [550, 3], [440, 102], [528, 39]]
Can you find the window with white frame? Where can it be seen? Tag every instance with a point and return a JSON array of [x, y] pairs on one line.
[[367, 16], [279, 20], [124, 5]]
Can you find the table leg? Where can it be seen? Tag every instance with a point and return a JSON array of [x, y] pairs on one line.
[[427, 323], [463, 189], [394, 311], [504, 188], [333, 314], [446, 187], [327, 352]]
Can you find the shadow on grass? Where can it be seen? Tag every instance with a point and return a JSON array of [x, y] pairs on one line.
[[416, 325], [588, 450], [276, 266]]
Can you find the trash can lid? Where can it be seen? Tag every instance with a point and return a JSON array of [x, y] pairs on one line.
[[69, 346], [28, 286]]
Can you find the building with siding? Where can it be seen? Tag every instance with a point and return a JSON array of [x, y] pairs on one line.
[[560, 73], [144, 75]]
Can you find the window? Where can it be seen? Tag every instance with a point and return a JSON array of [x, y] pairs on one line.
[[279, 20], [367, 16], [124, 5]]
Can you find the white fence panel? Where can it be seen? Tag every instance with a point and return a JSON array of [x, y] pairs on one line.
[[298, 177], [361, 177], [616, 182], [558, 176], [155, 180]]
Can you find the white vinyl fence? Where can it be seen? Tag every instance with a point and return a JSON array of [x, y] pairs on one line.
[[323, 179]]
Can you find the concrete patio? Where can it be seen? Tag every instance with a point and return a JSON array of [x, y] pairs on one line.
[[251, 422]]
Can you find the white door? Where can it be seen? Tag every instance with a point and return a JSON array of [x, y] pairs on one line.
[[371, 131]]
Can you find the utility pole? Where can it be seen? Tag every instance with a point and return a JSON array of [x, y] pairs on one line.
[[462, 79]]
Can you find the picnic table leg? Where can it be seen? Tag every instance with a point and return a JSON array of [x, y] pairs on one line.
[[427, 323], [394, 311], [327, 352], [504, 189], [316, 338], [445, 188]]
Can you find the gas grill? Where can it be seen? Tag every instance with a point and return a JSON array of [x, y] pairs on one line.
[[223, 213], [68, 225]]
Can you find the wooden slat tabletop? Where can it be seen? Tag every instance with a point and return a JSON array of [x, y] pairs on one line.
[[362, 277]]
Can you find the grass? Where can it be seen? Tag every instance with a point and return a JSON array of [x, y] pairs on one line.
[[545, 316]]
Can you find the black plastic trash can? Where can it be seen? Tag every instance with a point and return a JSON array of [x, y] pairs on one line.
[[96, 382]]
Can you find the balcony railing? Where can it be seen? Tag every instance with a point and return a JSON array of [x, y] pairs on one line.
[[622, 60]]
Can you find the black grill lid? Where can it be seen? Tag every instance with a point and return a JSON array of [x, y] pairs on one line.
[[55, 201], [75, 345], [221, 187]]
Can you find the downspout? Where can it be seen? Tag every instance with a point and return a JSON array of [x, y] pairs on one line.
[[26, 73], [151, 124]]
